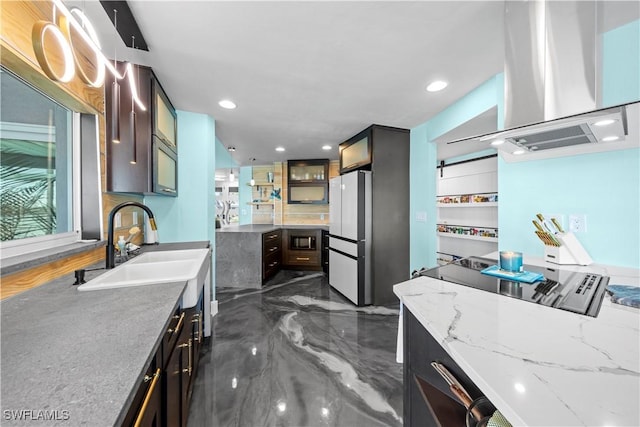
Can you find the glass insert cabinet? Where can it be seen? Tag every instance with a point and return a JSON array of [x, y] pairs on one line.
[[308, 181]]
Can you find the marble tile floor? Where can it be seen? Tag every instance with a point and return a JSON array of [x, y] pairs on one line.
[[297, 353]]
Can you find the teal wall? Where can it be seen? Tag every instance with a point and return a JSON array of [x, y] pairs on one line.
[[191, 215], [424, 161], [223, 157], [621, 65], [604, 186], [422, 164], [244, 196]]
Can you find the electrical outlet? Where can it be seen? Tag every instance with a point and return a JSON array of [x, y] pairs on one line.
[[321, 217], [117, 219], [421, 216], [135, 218], [578, 223]]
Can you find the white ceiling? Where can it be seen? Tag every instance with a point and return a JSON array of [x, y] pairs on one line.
[[304, 74]]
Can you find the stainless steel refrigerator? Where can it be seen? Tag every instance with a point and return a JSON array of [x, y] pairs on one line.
[[350, 230]]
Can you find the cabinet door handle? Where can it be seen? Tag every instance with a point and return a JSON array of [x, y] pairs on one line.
[[199, 322], [147, 397], [273, 236], [168, 190], [299, 258], [189, 369], [178, 326], [273, 264], [275, 248]]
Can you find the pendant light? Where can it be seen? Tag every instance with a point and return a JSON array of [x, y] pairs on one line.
[[132, 115], [115, 90], [253, 181]]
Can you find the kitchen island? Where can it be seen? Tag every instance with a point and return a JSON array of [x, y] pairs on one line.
[[539, 366], [78, 357], [247, 255]]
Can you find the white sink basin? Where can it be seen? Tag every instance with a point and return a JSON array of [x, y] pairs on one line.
[[151, 268]]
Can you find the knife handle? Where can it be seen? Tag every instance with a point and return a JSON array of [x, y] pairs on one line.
[[540, 229], [555, 222]]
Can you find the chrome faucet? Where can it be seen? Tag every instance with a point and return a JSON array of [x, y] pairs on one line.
[[110, 259]]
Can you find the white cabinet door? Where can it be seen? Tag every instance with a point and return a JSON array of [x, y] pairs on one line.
[[335, 206], [343, 275], [350, 206]]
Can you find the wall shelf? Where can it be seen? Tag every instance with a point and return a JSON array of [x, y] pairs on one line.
[[469, 237], [259, 203], [260, 184], [467, 209], [467, 205]]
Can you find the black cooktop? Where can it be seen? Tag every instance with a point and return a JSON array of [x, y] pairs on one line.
[[562, 289]]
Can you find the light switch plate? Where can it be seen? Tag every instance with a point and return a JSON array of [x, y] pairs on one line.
[[421, 216]]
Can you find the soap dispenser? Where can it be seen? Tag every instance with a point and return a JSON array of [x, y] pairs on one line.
[[122, 246]]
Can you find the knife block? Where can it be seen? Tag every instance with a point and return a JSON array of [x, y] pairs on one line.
[[569, 252]]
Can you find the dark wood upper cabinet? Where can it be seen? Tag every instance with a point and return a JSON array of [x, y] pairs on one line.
[[150, 165], [308, 181]]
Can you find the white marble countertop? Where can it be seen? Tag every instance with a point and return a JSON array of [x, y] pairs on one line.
[[539, 366]]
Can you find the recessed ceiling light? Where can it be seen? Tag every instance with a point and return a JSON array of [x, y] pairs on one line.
[[498, 142], [229, 105], [604, 122], [610, 138], [232, 149], [326, 147], [436, 86], [518, 152], [279, 148]]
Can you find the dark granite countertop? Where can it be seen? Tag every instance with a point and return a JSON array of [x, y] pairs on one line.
[[265, 228], [82, 352]]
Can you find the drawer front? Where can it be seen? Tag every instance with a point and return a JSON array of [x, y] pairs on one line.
[[270, 237], [271, 246], [271, 264], [303, 258]]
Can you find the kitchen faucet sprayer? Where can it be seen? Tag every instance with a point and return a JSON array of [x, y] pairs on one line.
[[110, 257]]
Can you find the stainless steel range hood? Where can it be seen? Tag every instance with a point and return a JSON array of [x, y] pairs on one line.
[[551, 84], [550, 60], [609, 129]]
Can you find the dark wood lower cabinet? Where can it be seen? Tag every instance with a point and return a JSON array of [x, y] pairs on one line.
[[146, 409], [428, 401], [163, 397], [302, 249]]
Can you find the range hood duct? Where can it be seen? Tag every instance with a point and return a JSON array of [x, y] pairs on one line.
[[550, 61]]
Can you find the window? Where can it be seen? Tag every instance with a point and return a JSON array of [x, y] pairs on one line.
[[36, 166]]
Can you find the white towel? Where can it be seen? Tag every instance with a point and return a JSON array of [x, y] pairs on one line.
[[400, 342]]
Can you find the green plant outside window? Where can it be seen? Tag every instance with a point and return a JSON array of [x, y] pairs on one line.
[[35, 162]]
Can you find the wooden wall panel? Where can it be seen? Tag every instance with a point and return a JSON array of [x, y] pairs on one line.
[[17, 19], [20, 281]]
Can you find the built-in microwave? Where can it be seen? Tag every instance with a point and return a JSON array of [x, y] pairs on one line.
[[302, 242], [355, 153], [165, 169]]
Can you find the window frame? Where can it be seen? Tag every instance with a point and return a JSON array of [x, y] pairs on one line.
[[30, 245]]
